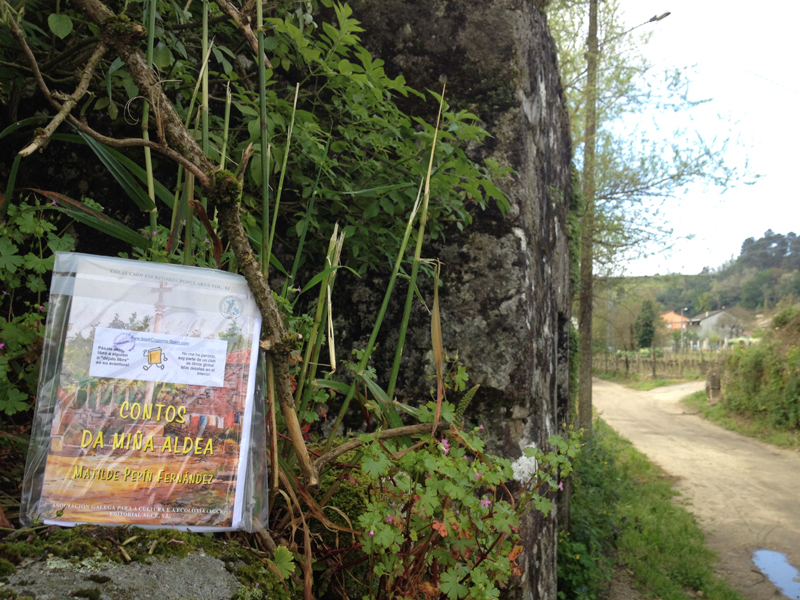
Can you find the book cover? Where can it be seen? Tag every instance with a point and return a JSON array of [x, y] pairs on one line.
[[154, 399]]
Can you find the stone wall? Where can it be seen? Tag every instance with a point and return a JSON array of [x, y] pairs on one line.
[[505, 298]]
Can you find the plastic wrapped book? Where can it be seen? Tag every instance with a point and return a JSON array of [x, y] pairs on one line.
[[150, 404]]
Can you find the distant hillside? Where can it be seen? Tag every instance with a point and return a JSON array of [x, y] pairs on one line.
[[766, 271]]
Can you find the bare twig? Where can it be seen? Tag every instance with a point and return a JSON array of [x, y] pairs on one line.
[[41, 140], [243, 25]]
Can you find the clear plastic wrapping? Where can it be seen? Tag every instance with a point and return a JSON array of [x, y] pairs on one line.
[[150, 409]]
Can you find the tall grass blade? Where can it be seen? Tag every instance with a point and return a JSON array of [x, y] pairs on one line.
[[262, 115], [306, 221], [148, 160], [283, 171], [412, 284], [121, 174], [329, 288], [378, 322], [189, 212], [21, 124], [204, 140], [226, 126], [438, 349], [96, 220], [315, 338], [161, 191]]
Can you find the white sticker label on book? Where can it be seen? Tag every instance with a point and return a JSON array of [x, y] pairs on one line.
[[159, 357]]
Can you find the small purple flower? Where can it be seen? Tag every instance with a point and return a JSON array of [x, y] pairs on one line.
[[389, 519], [445, 446], [478, 475], [41, 308], [480, 426], [371, 533], [486, 502], [155, 233], [5, 293], [53, 202], [257, 584], [2, 345], [207, 241], [561, 486]]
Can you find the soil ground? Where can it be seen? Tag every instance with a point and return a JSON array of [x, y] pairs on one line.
[[745, 493]]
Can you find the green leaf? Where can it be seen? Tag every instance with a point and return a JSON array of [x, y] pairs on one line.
[[375, 466], [9, 260], [20, 124], [37, 264], [60, 25], [345, 68], [116, 65], [15, 402], [451, 586], [162, 57], [339, 386], [284, 560], [320, 276]]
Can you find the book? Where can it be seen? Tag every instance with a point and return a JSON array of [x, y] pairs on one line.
[[149, 412]]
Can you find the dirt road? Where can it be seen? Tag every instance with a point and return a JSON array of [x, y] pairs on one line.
[[745, 493]]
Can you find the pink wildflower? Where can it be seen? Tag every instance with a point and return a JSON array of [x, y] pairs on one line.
[[371, 533], [2, 346], [485, 502], [561, 486], [389, 519], [480, 427], [41, 308], [478, 475], [445, 446]]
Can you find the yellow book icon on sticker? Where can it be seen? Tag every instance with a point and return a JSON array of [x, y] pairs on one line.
[[155, 356]]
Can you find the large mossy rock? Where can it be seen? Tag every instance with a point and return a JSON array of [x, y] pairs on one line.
[[114, 563], [505, 298]]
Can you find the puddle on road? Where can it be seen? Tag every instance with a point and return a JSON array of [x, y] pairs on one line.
[[775, 566]]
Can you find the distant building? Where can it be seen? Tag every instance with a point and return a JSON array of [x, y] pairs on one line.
[[719, 322], [674, 321]]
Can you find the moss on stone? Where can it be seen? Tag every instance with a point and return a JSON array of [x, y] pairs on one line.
[[6, 568], [90, 593], [87, 548]]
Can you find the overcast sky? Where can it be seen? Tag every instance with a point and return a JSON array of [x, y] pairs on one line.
[[745, 58]]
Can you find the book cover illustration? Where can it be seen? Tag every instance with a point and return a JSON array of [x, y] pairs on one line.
[[154, 398]]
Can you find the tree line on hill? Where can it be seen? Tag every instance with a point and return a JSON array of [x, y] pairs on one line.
[[766, 270], [766, 273]]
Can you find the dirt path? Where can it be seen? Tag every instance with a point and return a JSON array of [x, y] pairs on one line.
[[745, 493]]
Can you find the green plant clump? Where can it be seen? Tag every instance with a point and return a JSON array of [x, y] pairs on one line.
[[763, 382], [623, 507]]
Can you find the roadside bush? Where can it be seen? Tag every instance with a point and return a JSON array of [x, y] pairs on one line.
[[764, 381], [585, 552]]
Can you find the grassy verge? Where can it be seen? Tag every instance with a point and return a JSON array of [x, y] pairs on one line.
[[749, 426], [637, 382], [622, 504]]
